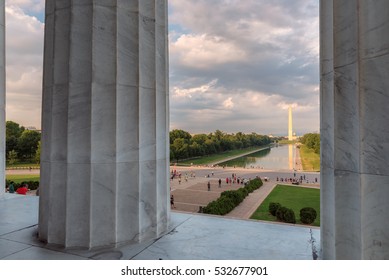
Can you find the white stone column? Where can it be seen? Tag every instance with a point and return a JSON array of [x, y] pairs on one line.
[[354, 129], [2, 96], [104, 164]]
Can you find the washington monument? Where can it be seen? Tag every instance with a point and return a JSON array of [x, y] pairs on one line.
[[290, 127]]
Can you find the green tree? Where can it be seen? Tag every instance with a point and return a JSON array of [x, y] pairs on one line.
[[210, 147], [312, 141], [12, 133], [12, 157], [199, 139], [219, 134], [179, 133], [38, 153], [180, 149], [184, 145], [195, 150], [28, 144]]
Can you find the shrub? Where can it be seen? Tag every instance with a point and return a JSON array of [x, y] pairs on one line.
[[308, 215], [286, 215], [228, 200], [289, 216], [280, 213], [273, 207], [236, 196], [220, 206]]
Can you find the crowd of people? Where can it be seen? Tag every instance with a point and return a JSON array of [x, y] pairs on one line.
[[20, 190], [296, 180]]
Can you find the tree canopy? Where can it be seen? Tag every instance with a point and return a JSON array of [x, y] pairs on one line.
[[312, 141], [12, 133], [20, 143], [184, 145]]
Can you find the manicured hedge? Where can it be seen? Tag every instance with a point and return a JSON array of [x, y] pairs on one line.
[[273, 207], [308, 215], [228, 200], [283, 214], [286, 215]]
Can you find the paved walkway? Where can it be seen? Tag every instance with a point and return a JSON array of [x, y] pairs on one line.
[[192, 193], [252, 202], [190, 237]]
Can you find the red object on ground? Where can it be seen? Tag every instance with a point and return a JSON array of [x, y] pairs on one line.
[[22, 190]]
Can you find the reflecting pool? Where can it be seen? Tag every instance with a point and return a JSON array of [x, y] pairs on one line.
[[276, 157]]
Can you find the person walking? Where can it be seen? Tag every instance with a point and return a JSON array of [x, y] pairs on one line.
[[209, 185], [220, 183], [172, 202]]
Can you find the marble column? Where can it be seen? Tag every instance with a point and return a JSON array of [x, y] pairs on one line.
[[2, 95], [354, 66], [104, 163]]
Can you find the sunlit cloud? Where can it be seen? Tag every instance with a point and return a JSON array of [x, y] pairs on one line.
[[204, 51], [264, 55], [234, 65], [24, 48]]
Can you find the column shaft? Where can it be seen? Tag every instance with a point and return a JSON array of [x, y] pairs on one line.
[[355, 137], [105, 122], [2, 95]]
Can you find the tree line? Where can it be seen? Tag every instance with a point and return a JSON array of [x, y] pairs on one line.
[[312, 141], [183, 145], [21, 144]]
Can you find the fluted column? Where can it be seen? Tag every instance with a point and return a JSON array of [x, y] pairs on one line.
[[354, 131], [2, 95], [104, 164]]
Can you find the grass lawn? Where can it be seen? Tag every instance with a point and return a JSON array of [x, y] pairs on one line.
[[20, 178], [309, 159], [293, 197], [217, 157]]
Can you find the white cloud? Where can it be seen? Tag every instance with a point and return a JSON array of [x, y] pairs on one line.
[[24, 47], [188, 92], [29, 5], [204, 51], [228, 104], [264, 55], [232, 64]]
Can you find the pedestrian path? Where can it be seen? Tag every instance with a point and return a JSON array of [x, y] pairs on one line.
[[190, 195], [248, 206]]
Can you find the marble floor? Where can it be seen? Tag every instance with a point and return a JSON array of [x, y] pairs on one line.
[[192, 237]]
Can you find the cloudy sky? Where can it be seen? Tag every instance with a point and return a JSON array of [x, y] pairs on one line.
[[234, 65]]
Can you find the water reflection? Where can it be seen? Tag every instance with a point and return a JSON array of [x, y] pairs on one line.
[[277, 157], [290, 156]]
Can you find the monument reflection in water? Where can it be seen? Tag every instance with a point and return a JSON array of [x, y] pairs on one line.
[[276, 158]]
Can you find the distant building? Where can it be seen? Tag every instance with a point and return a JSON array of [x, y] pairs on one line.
[[33, 128]]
